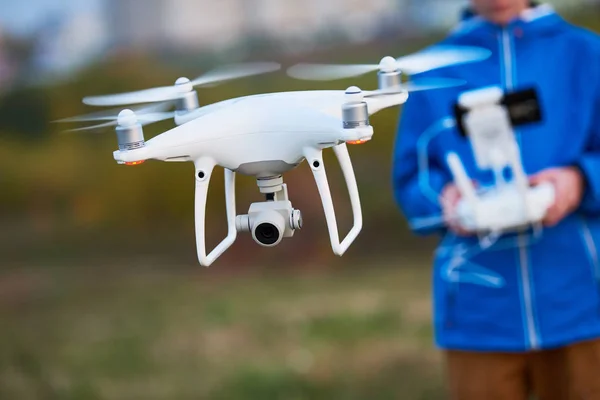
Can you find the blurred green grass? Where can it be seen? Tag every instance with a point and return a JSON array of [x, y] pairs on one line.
[[140, 333]]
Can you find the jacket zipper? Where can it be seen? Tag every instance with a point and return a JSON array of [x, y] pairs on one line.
[[527, 296], [508, 67], [507, 61]]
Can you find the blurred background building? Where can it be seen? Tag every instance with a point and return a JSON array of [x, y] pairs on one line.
[[66, 36], [201, 25]]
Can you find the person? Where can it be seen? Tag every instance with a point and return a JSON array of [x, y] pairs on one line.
[[522, 316]]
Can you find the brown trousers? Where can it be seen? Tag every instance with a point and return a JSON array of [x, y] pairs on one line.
[[567, 373]]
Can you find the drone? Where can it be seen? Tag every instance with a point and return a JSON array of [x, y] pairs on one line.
[[266, 135]]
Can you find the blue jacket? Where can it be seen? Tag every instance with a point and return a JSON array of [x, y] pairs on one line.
[[529, 290]]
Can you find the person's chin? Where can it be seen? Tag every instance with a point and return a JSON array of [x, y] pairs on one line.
[[503, 16], [501, 19]]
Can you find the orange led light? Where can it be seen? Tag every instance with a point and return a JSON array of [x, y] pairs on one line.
[[360, 141], [134, 162]]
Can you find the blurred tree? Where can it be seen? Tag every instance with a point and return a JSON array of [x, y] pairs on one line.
[[25, 113]]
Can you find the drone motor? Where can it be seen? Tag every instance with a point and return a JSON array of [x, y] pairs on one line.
[[130, 134], [189, 99], [389, 75], [355, 113]]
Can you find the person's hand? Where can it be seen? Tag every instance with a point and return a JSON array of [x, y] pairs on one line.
[[449, 199], [569, 187]]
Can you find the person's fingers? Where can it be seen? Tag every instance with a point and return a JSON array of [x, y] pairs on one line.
[[552, 215], [451, 194], [540, 177], [448, 200], [462, 232], [549, 176], [557, 211], [535, 180], [553, 219], [458, 229], [450, 217], [548, 218]]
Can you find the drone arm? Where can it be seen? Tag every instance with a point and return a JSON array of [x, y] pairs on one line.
[[315, 160], [204, 169]]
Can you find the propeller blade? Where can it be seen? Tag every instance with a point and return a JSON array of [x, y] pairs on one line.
[[325, 72], [182, 86], [235, 71], [435, 57], [417, 85], [164, 93], [113, 113], [143, 119], [153, 117], [440, 56], [93, 127]]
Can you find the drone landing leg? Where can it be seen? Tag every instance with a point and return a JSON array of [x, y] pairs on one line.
[[204, 169], [315, 160]]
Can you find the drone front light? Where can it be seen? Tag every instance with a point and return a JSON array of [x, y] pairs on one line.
[[134, 162], [359, 141]]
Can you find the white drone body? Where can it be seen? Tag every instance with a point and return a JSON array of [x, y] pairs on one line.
[[507, 205], [266, 135]]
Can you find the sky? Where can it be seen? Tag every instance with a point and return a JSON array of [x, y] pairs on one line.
[[21, 17]]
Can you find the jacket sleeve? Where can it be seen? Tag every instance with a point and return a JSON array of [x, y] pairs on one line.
[[589, 164], [417, 177]]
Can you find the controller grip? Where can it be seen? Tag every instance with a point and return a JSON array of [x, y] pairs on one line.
[[506, 210], [542, 196]]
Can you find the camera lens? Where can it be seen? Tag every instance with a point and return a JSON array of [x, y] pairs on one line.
[[267, 233]]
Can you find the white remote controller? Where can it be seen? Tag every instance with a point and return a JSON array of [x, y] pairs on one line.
[[508, 205], [505, 209]]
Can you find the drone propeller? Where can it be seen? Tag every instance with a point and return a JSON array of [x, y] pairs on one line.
[[416, 85], [355, 94], [183, 85], [435, 57], [114, 112], [144, 115], [143, 120], [126, 117]]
